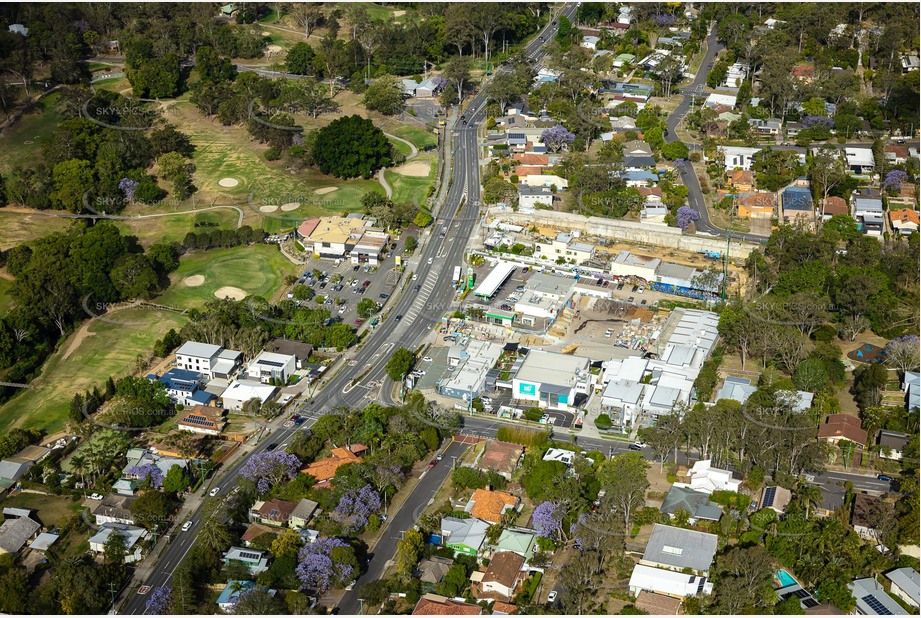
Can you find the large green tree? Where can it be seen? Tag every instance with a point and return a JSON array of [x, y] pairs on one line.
[[350, 147]]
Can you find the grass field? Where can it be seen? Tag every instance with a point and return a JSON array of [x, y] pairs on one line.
[[108, 350], [52, 511], [420, 139], [412, 188], [22, 142], [169, 229], [17, 228], [258, 270]]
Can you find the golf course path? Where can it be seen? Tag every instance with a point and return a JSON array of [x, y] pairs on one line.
[[413, 151], [67, 215], [383, 180]]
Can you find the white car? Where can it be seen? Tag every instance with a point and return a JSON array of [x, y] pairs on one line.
[[427, 359], [419, 373], [640, 444], [187, 526], [342, 309], [214, 491], [415, 276], [96, 496], [608, 333], [486, 399], [430, 260], [551, 597]]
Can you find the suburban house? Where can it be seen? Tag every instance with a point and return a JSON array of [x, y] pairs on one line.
[[775, 498], [872, 599], [501, 608], [566, 246], [911, 385], [490, 505], [114, 508], [767, 126], [636, 163], [639, 178], [502, 577], [273, 512], [832, 206], [868, 512], [724, 100], [298, 349], [501, 457], [896, 154], [637, 148], [303, 513], [667, 582], [325, 469], [737, 157], [696, 504], [211, 361], [735, 75], [529, 197], [437, 605], [860, 160], [518, 540], [833, 497], [796, 202], [622, 124], [271, 368], [905, 584], [868, 210], [203, 419], [904, 220], [756, 205], [131, 536], [550, 181], [793, 128], [16, 533], [184, 387], [707, 479], [678, 549], [657, 604], [891, 443], [737, 389], [255, 560], [589, 42], [909, 62], [622, 60], [433, 570], [464, 536], [241, 391], [740, 180], [13, 468], [254, 531], [838, 427]]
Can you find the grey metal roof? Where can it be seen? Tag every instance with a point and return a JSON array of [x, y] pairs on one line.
[[907, 579], [872, 600], [696, 503], [15, 532], [195, 348], [680, 548]]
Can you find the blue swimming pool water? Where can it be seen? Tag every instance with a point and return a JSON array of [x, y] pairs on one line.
[[869, 347], [784, 578]]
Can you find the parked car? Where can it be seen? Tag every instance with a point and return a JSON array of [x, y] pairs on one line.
[[884, 477], [427, 359], [384, 296], [359, 322], [634, 447], [271, 447], [552, 596], [630, 300], [96, 496], [643, 302], [367, 268], [608, 333], [433, 463], [620, 286], [640, 444], [439, 457], [635, 288]]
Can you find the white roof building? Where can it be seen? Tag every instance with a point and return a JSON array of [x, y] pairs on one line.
[[669, 583], [737, 157], [241, 391], [906, 585], [705, 478], [714, 99], [131, 536], [561, 455]]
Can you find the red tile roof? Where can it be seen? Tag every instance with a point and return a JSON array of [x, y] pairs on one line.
[[842, 426], [434, 605], [904, 215], [307, 227], [531, 158], [504, 568], [834, 206], [489, 505]]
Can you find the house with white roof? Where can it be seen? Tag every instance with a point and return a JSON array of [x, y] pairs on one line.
[[860, 160], [131, 537], [726, 100], [668, 583], [530, 197], [255, 560], [905, 584], [590, 42], [241, 391], [705, 478], [211, 361], [560, 455], [271, 367], [735, 75], [566, 246], [911, 386], [737, 157]]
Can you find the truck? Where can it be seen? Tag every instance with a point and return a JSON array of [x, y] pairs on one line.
[[711, 255], [455, 279]]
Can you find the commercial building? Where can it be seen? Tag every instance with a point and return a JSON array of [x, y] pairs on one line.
[[211, 361], [567, 247], [473, 360], [343, 237], [552, 380], [494, 280], [544, 297], [627, 264]]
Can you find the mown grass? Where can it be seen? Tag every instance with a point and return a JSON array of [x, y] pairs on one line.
[[17, 228], [420, 139], [22, 142], [174, 228], [411, 188], [110, 349]]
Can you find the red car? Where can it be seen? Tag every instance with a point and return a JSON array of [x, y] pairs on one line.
[[359, 322], [433, 463]]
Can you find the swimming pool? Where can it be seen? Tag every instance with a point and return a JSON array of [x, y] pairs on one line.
[[784, 578]]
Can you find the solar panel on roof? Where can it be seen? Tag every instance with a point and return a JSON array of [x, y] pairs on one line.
[[801, 594], [271, 363], [250, 555], [769, 495], [810, 602], [876, 606]]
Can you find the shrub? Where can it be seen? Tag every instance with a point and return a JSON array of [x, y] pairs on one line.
[[603, 422]]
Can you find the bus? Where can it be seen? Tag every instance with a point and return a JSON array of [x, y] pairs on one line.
[[455, 279]]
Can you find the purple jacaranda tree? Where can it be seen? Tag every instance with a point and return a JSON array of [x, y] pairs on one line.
[[356, 506], [818, 121], [904, 353], [894, 180], [685, 216], [556, 138], [548, 519], [148, 472], [665, 20], [316, 568], [158, 603], [270, 468], [127, 186]]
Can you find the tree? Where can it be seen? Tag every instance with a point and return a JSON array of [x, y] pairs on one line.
[[114, 550], [496, 190], [307, 16], [269, 468], [775, 169], [299, 59], [675, 150], [409, 549], [410, 244], [256, 601], [399, 364], [487, 19], [826, 169], [351, 146], [176, 480], [321, 566], [356, 506], [152, 509], [625, 483], [385, 95], [175, 168], [557, 137], [212, 67], [685, 216], [504, 89], [71, 181], [903, 353], [457, 72]]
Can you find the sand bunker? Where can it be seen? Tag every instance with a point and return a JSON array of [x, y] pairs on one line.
[[266, 33], [230, 292], [273, 49], [399, 13], [290, 206], [416, 168], [326, 190], [194, 281], [228, 182], [268, 208]]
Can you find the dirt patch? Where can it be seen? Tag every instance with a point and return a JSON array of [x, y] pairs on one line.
[[194, 281], [419, 169], [325, 190], [228, 182], [78, 338], [290, 206], [230, 292]]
